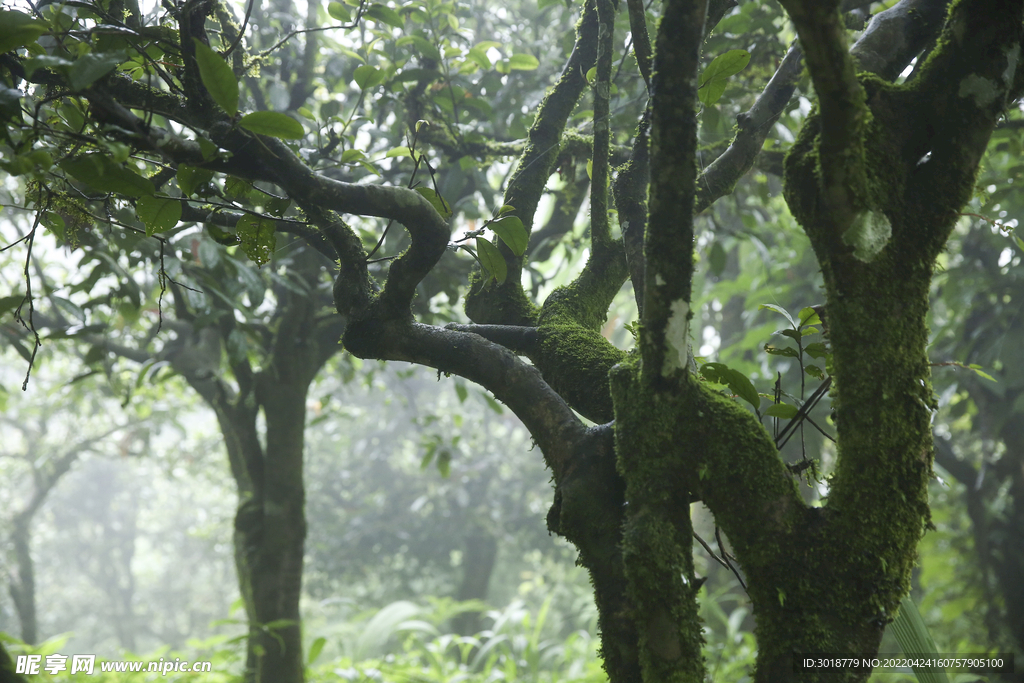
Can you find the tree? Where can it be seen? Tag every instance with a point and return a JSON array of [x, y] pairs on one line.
[[41, 448], [876, 178]]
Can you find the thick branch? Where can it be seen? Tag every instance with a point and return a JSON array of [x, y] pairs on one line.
[[507, 303], [517, 384], [841, 102], [753, 127], [897, 35], [669, 244]]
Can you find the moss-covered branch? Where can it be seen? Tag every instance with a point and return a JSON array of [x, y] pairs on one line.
[[897, 35], [669, 244], [641, 39], [507, 303], [844, 114]]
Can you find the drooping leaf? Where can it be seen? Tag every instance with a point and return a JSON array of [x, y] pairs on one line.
[[716, 76], [318, 645], [784, 411], [339, 11], [781, 351], [398, 152], [444, 463], [780, 310], [816, 350], [367, 76], [814, 371], [18, 29], [441, 206], [258, 238], [91, 67], [10, 104], [737, 382], [101, 173], [491, 259], [273, 123], [158, 213], [191, 178], [384, 14], [523, 62], [512, 232], [218, 77], [981, 373], [424, 46]]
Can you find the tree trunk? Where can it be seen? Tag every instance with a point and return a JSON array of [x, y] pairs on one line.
[[23, 583], [479, 555]]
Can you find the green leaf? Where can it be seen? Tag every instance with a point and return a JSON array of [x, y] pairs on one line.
[[398, 152], [352, 155], [90, 68], [734, 379], [782, 311], [714, 79], [367, 76], [492, 404], [461, 391], [190, 178], [781, 410], [18, 29], [717, 258], [237, 187], [9, 303], [512, 232], [780, 351], [272, 123], [99, 172], [1020, 242], [816, 350], [814, 371], [380, 13], [339, 11], [479, 55], [10, 104], [444, 463], [441, 206], [277, 206], [505, 208], [218, 77], [318, 645], [592, 74], [491, 259], [258, 238], [158, 213], [523, 62], [793, 334], [426, 48], [45, 62], [809, 316], [207, 148], [915, 640], [981, 373]]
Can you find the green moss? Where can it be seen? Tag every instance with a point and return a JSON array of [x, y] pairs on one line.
[[489, 303]]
